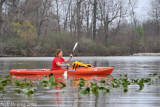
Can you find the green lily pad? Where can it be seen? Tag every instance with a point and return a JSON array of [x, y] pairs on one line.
[[87, 89], [1, 88], [6, 76], [102, 80], [17, 83], [18, 91], [108, 76], [147, 80], [54, 84], [84, 92], [63, 84], [51, 79]]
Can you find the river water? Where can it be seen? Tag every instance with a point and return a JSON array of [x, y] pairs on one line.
[[134, 66]]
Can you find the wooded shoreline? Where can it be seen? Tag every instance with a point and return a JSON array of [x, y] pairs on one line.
[[136, 54], [101, 27]]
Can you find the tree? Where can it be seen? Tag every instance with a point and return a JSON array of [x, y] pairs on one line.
[[110, 11], [26, 31], [155, 14], [94, 18], [79, 2], [133, 17], [1, 18]]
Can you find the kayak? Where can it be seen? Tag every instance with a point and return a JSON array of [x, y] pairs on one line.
[[79, 71]]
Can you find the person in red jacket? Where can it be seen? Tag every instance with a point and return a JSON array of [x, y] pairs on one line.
[[57, 61]]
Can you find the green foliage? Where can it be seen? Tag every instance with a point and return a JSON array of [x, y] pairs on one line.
[[23, 83], [5, 82], [1, 88], [6, 76], [81, 83], [25, 87], [15, 46], [122, 82], [102, 80], [108, 76], [27, 33], [140, 31], [63, 84], [26, 91], [25, 30], [51, 79], [91, 47], [44, 82]]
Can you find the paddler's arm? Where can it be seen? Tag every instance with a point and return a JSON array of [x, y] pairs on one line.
[[62, 65], [67, 61]]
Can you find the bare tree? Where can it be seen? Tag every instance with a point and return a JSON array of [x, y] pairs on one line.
[[155, 14], [1, 19], [110, 11], [67, 14], [134, 21], [94, 18], [78, 34]]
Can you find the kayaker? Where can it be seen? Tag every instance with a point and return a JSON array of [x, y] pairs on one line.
[[57, 61]]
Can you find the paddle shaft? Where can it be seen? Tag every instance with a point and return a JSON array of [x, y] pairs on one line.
[[72, 52]]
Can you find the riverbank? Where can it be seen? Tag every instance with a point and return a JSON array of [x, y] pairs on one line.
[[146, 54], [42, 55]]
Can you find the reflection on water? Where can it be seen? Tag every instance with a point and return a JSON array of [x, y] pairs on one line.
[[135, 67]]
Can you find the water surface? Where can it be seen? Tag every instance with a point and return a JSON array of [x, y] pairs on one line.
[[134, 66]]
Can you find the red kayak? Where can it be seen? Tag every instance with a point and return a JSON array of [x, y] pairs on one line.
[[79, 71]]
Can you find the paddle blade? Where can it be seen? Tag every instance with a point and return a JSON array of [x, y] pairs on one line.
[[65, 75], [74, 47]]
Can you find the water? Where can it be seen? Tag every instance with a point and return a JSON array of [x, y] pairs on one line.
[[134, 66]]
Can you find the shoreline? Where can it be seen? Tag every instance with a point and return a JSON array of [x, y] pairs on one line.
[[136, 54], [146, 54]]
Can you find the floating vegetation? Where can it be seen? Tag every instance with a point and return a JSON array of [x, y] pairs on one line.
[[23, 83], [51, 82], [6, 76], [4, 82], [122, 83], [24, 87], [105, 85], [26, 91]]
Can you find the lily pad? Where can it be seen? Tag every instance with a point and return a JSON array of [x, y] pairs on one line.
[[63, 84]]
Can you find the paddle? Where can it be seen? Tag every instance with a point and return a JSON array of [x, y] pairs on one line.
[[73, 50], [65, 73]]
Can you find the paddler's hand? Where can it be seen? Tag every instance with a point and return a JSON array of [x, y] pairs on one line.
[[67, 65], [71, 55]]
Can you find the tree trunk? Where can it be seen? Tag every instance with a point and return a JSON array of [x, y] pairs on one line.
[[66, 18], [94, 18], [58, 19], [106, 30], [78, 19], [88, 20], [1, 20]]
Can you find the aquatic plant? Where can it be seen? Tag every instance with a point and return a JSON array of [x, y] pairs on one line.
[[26, 91], [51, 82], [123, 82], [95, 86], [23, 83], [5, 81], [6, 76]]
